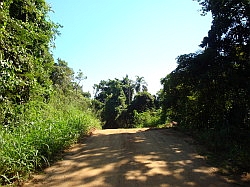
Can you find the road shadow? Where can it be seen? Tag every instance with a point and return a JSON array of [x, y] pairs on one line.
[[128, 158]]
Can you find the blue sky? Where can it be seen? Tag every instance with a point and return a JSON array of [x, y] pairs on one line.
[[108, 39]]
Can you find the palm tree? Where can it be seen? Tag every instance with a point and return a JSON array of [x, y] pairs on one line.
[[128, 88], [140, 83]]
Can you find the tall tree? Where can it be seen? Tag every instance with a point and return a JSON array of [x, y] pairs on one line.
[[62, 76], [142, 102], [26, 35], [128, 89], [229, 37], [115, 98], [229, 33], [78, 79], [140, 84], [111, 94], [210, 89]]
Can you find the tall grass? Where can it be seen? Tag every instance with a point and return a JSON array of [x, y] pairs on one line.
[[42, 131]]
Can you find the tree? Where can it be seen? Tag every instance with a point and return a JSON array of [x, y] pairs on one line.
[[229, 37], [78, 79], [101, 91], [116, 101], [229, 33], [114, 105], [26, 35], [140, 84], [208, 92], [142, 102], [104, 89], [62, 76], [128, 89]]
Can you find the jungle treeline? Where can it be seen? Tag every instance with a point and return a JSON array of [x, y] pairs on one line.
[[208, 93], [126, 103], [43, 108]]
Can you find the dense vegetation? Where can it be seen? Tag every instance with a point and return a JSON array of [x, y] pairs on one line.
[[209, 92], [42, 107], [126, 103]]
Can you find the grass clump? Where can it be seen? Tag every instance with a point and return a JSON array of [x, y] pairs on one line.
[[43, 131]]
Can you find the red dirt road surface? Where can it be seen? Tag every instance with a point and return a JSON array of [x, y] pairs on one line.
[[131, 158]]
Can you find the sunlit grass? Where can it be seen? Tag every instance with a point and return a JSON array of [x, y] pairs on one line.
[[36, 142]]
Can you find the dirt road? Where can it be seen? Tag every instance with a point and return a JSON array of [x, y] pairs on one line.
[[131, 158]]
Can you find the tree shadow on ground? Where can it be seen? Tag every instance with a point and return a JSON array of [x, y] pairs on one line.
[[138, 158]]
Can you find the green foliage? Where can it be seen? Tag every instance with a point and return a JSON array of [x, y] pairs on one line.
[[149, 118], [26, 35], [43, 132], [229, 33], [128, 87], [110, 96], [62, 76], [37, 131], [142, 112], [208, 92], [119, 103], [142, 101], [78, 79], [140, 84], [42, 107], [114, 105]]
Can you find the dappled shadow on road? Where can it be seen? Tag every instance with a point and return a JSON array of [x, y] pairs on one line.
[[140, 157]]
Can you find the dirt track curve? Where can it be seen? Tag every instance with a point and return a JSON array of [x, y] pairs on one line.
[[131, 158]]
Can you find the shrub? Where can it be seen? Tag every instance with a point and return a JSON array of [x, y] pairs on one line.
[[147, 119], [43, 131]]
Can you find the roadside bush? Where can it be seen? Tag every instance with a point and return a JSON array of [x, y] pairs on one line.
[[43, 131], [148, 118]]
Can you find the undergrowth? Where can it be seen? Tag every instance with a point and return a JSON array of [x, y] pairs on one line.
[[41, 132], [150, 118]]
